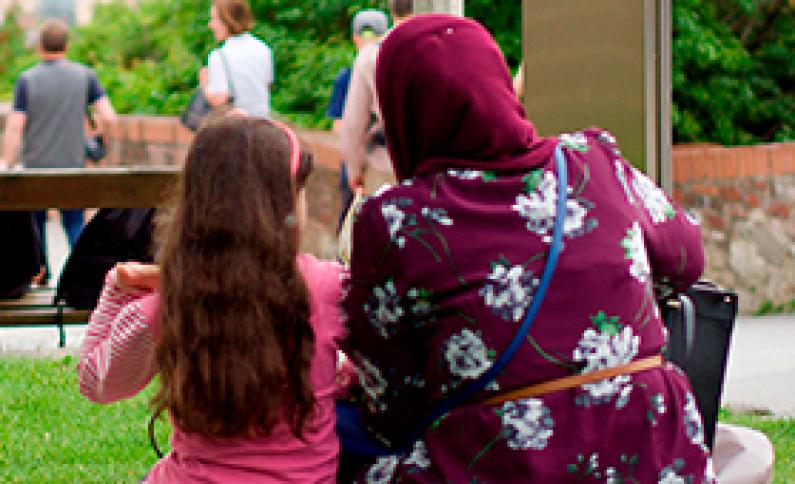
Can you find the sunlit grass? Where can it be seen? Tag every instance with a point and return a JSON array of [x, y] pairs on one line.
[[50, 433]]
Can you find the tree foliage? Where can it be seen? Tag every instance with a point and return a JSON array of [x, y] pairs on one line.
[[14, 56], [733, 62], [733, 71]]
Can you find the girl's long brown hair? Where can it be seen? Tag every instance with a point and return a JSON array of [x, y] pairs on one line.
[[236, 342]]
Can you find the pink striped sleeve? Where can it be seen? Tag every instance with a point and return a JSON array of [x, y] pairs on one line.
[[116, 359]]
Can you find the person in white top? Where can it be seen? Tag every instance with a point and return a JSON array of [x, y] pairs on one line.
[[240, 71]]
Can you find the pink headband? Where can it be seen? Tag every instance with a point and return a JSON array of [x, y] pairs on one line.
[[295, 147]]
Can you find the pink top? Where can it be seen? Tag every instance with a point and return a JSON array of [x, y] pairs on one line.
[[116, 363]]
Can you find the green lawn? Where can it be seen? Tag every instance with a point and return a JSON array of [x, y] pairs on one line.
[[50, 433]]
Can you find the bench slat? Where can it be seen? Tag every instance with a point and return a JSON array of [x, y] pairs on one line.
[[34, 298], [42, 316], [130, 187]]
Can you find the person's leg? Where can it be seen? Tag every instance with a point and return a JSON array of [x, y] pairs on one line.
[[72, 221], [41, 220]]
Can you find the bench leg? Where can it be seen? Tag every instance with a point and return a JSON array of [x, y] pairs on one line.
[[61, 336]]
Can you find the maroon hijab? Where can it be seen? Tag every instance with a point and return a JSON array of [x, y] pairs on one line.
[[447, 101]]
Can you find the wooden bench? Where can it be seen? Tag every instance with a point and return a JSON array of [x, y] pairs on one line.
[[133, 187]]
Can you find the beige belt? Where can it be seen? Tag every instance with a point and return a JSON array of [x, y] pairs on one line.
[[572, 381]]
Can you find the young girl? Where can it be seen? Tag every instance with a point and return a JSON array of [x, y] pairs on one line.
[[240, 328]]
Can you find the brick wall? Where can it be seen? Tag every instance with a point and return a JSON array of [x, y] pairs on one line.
[[744, 197]]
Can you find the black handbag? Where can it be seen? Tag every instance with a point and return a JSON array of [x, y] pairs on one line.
[[198, 107], [700, 322]]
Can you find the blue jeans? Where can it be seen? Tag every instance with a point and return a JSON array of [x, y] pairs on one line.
[[72, 221]]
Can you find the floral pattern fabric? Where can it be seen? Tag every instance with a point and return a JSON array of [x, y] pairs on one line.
[[453, 261]]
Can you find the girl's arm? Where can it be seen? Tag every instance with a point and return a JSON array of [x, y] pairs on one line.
[[117, 356]]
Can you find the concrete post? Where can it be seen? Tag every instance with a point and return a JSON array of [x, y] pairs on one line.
[[453, 7], [605, 63]]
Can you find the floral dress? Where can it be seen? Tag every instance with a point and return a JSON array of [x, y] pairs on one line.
[[444, 268]]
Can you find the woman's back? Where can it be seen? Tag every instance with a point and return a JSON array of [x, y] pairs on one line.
[[456, 257], [249, 62]]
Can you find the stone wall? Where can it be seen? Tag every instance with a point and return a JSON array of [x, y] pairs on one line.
[[744, 197]]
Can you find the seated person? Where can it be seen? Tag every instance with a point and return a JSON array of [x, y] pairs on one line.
[[452, 263], [239, 326]]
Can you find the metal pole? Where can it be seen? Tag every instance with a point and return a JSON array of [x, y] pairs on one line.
[[650, 86], [665, 139], [453, 7]]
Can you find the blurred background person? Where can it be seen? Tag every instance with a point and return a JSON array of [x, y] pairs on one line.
[[367, 26], [48, 118], [240, 71], [362, 137]]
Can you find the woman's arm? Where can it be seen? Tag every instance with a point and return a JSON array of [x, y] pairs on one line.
[[672, 236], [117, 356]]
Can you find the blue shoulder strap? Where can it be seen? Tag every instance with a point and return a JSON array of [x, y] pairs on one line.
[[552, 259]]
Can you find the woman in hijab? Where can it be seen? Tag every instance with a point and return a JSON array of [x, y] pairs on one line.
[[446, 264]]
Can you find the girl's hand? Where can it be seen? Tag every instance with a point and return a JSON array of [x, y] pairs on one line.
[[134, 275]]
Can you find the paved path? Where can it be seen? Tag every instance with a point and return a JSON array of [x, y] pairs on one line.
[[761, 373], [760, 376]]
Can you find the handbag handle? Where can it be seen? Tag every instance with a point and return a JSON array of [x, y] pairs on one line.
[[549, 268], [229, 82]]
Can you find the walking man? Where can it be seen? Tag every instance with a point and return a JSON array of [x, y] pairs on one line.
[[48, 117]]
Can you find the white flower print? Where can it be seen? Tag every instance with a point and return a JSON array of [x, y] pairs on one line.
[[652, 197], [419, 456], [394, 217], [694, 429], [465, 174], [438, 215], [371, 380], [635, 250], [611, 346], [658, 401], [383, 308], [383, 470], [538, 209], [575, 141], [526, 424], [467, 355], [509, 290], [622, 179], [669, 476], [607, 137], [623, 397], [692, 218]]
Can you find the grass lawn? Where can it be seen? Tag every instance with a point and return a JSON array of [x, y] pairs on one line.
[[50, 433]]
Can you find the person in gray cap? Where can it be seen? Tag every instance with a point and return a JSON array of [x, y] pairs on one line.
[[362, 141], [367, 27]]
